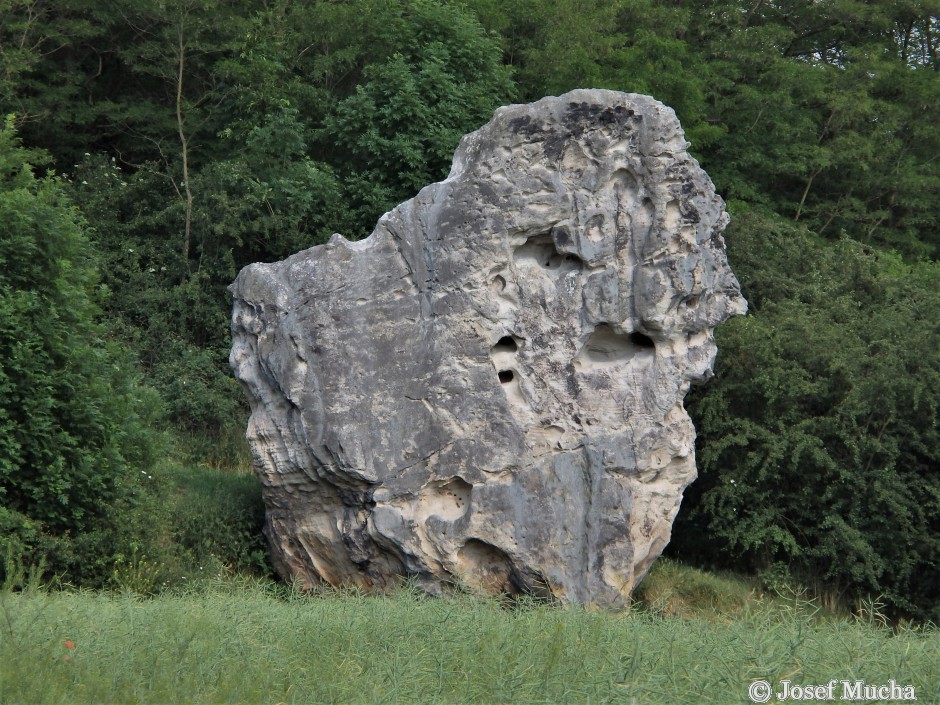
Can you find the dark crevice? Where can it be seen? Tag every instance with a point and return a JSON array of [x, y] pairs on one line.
[[506, 344], [542, 251], [641, 340], [605, 347]]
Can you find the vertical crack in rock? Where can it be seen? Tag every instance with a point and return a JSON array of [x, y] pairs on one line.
[[489, 388]]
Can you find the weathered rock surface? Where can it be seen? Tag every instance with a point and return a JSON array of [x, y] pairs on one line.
[[489, 388]]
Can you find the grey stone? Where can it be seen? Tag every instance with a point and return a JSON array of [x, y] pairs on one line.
[[489, 388]]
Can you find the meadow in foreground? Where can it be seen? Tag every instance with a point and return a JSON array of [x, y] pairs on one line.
[[239, 641]]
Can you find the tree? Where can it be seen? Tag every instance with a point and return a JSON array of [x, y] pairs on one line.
[[819, 436], [825, 117], [398, 131], [74, 418], [48, 55]]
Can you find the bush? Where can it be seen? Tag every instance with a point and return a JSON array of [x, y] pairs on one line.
[[74, 417], [819, 437]]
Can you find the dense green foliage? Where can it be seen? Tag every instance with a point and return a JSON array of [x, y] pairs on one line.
[[819, 441], [81, 488], [197, 137], [231, 643], [74, 418]]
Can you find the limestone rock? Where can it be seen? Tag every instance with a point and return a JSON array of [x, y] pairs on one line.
[[489, 388]]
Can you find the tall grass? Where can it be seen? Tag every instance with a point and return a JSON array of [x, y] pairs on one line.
[[254, 642]]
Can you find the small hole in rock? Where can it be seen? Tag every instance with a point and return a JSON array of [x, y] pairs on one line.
[[641, 340], [505, 344], [541, 250], [505, 376]]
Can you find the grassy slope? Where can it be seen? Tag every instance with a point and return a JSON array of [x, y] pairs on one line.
[[254, 643]]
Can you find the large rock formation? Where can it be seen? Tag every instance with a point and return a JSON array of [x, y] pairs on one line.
[[489, 388]]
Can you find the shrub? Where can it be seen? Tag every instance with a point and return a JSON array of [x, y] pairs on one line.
[[74, 418], [819, 437]]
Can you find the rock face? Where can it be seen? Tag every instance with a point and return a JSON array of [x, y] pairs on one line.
[[489, 388]]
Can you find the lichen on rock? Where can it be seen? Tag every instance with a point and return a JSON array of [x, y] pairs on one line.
[[488, 389]]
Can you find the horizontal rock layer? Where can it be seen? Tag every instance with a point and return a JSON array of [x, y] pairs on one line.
[[489, 388]]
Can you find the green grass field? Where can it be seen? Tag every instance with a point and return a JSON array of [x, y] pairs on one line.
[[240, 641]]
